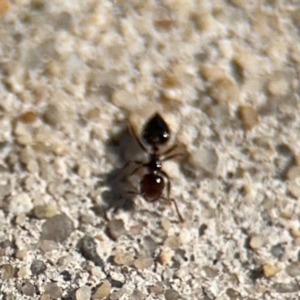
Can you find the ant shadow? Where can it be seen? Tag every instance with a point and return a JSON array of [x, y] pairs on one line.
[[123, 147]]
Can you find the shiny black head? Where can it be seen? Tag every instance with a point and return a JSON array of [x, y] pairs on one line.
[[155, 132]]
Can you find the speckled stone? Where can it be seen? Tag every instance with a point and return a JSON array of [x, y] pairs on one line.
[[9, 296], [143, 262], [171, 294], [53, 290], [277, 250], [116, 229], [117, 294], [48, 245], [173, 242], [157, 288], [7, 271], [232, 294], [286, 287], [5, 190], [38, 267], [28, 289], [6, 244], [87, 248], [137, 295], [83, 293], [103, 291], [293, 269], [123, 258], [57, 228]]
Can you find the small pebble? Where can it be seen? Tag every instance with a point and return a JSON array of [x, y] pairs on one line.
[[123, 258], [143, 263], [269, 270], [256, 242], [65, 260], [163, 20], [285, 287], [28, 117], [83, 293], [293, 173], [87, 248], [4, 7], [165, 257], [232, 294], [6, 244], [38, 267], [295, 231], [149, 245], [173, 242], [293, 269], [277, 251], [44, 211], [293, 187], [66, 276], [166, 224], [5, 190], [137, 295], [279, 86], [117, 294], [28, 289], [103, 291], [48, 245], [249, 116], [9, 296], [52, 115], [32, 166], [157, 288], [210, 272], [21, 254], [225, 90], [7, 271], [53, 290], [84, 170], [116, 229], [57, 228], [22, 272], [171, 294], [20, 203]]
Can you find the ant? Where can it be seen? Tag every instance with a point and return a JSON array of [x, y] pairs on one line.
[[155, 133]]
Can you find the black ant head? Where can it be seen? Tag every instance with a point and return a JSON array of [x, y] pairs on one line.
[[155, 132]]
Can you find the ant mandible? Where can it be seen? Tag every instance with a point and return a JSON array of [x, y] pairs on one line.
[[155, 133]]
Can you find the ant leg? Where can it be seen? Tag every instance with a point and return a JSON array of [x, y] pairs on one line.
[[122, 201], [172, 156], [177, 210], [168, 154], [168, 195], [168, 151], [131, 162], [117, 174]]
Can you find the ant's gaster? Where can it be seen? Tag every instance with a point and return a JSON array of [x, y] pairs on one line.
[[155, 133]]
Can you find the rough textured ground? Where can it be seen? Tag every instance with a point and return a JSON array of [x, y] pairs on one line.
[[225, 77]]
